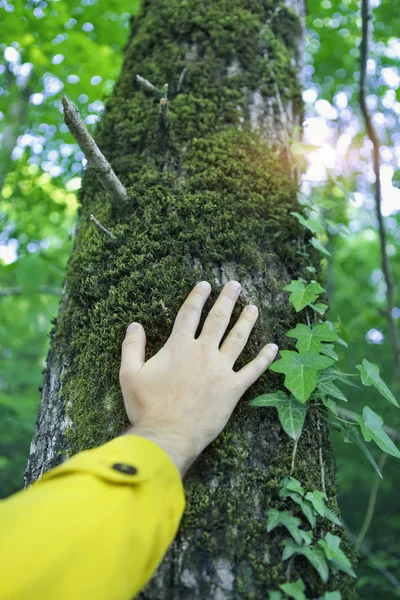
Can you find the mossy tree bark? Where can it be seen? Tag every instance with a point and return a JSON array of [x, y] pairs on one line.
[[210, 199]]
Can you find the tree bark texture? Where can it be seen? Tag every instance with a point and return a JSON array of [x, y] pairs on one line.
[[210, 192]]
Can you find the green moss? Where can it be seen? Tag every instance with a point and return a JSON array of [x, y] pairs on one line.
[[217, 192]]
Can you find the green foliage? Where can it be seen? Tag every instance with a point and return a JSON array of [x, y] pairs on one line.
[[326, 386], [319, 246], [300, 371], [351, 433], [275, 595], [14, 448], [286, 519], [313, 226], [311, 338], [302, 295], [294, 590], [319, 308], [369, 373], [316, 498], [336, 557], [290, 412], [315, 555], [312, 503], [372, 429]]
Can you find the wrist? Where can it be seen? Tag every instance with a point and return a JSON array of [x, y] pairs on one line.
[[175, 445]]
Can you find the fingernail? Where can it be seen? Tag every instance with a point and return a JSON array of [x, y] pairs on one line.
[[274, 348], [251, 308], [133, 326], [234, 285], [205, 285]]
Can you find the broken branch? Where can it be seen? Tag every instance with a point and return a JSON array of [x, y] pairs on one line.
[[96, 159], [102, 228]]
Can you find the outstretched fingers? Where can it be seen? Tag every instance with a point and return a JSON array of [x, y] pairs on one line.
[[218, 318], [237, 338], [188, 318], [133, 351], [254, 369]]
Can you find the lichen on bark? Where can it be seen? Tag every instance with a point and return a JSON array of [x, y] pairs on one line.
[[211, 200]]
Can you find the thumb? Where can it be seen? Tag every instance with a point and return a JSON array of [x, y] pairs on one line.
[[133, 350]]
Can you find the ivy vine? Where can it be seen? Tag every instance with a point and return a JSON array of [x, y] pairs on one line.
[[311, 373]]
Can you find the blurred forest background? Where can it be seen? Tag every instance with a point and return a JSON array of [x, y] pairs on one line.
[[52, 47]]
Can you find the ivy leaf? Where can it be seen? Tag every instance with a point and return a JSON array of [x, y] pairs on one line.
[[311, 338], [292, 485], [290, 412], [310, 224], [335, 566], [300, 371], [286, 519], [329, 350], [304, 505], [291, 488], [330, 405], [289, 548], [372, 429], [317, 500], [339, 328], [369, 373], [330, 515], [331, 596], [275, 595], [302, 295], [319, 308], [294, 590], [331, 547], [326, 386], [315, 556], [337, 227], [351, 434], [318, 246]]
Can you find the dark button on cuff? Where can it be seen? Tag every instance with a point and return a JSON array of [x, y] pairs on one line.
[[126, 469]]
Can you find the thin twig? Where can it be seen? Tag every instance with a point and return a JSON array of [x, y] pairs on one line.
[[102, 228], [374, 561], [42, 289], [293, 456], [96, 159], [371, 504], [366, 15]]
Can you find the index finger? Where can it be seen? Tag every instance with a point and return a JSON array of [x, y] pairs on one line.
[[188, 318]]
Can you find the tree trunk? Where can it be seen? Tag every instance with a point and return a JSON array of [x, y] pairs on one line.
[[211, 192]]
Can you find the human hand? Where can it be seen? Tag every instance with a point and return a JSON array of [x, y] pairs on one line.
[[183, 396]]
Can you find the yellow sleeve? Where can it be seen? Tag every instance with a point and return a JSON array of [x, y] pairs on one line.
[[96, 527]]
